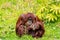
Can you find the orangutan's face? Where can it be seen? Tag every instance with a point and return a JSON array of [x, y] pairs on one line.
[[29, 21]]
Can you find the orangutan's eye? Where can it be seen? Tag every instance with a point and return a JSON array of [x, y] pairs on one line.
[[29, 18]]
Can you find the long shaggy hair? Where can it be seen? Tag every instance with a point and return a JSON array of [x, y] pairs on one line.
[[30, 24]]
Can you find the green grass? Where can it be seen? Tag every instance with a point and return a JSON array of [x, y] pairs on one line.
[[9, 13]]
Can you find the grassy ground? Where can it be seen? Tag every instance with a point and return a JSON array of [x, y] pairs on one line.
[[9, 13]]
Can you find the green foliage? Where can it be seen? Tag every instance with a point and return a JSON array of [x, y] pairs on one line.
[[55, 9], [47, 10], [51, 17], [40, 12]]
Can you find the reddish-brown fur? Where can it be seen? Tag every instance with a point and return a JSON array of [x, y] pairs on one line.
[[29, 24]]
